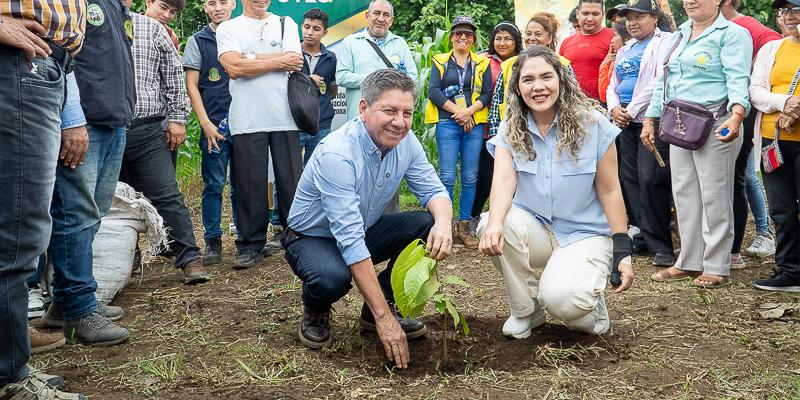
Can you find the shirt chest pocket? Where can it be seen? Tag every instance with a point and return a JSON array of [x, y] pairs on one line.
[[526, 166], [582, 166]]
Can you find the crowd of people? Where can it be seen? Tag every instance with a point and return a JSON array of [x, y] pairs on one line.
[[589, 150]]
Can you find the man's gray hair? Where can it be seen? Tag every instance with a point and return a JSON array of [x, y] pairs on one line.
[[373, 86], [373, 2]]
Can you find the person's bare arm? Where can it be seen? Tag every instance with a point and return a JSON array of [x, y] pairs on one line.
[[440, 238], [209, 129], [609, 193], [504, 184], [238, 66], [389, 331]]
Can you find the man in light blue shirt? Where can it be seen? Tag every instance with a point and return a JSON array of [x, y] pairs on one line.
[[337, 229], [356, 57]]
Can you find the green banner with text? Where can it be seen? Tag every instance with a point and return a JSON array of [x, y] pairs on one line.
[[345, 16]]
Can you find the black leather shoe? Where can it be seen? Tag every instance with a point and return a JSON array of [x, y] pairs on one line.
[[315, 330], [248, 259], [663, 259], [213, 251], [413, 328]]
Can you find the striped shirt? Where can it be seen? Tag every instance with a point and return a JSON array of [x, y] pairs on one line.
[[64, 20]]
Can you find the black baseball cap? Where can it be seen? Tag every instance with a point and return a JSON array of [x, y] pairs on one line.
[[612, 12], [643, 6], [464, 20], [782, 3]]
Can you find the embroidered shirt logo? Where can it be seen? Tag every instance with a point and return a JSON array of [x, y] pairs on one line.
[[94, 15]]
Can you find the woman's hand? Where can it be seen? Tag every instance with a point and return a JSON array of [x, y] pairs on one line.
[[469, 126], [626, 271], [492, 240], [648, 134], [733, 123], [785, 122], [462, 117], [792, 107], [620, 117]]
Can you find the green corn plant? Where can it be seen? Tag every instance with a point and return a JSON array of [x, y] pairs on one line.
[[416, 281]]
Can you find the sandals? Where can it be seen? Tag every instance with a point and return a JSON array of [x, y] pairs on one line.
[[673, 274], [716, 281]]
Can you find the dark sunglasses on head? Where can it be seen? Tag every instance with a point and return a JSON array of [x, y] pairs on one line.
[[463, 32]]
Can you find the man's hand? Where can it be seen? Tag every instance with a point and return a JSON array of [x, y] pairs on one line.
[[792, 107], [318, 80], [176, 135], [212, 135], [74, 146], [491, 243], [393, 339], [620, 116], [290, 62], [440, 241], [24, 34]]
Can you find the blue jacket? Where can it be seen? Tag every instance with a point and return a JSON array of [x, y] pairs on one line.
[[326, 68], [213, 82]]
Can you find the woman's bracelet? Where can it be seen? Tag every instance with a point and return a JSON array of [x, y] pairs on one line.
[[648, 122]]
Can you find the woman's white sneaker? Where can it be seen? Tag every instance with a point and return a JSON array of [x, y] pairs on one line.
[[520, 328]]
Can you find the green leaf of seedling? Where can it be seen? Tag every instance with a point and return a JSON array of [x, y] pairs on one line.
[[464, 326], [408, 258], [451, 309], [440, 306], [416, 277], [454, 280], [427, 290]]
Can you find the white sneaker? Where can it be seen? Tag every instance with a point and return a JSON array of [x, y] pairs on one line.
[[603, 322], [763, 246], [520, 328], [36, 303]]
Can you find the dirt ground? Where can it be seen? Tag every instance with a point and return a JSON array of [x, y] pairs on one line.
[[236, 338]]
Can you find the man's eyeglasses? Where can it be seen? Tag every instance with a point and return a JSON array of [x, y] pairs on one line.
[[466, 33], [795, 11]]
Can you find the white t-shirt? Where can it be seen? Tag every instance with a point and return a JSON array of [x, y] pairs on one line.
[[259, 104]]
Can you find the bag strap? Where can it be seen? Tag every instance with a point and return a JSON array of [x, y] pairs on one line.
[[792, 88], [666, 63], [380, 53]]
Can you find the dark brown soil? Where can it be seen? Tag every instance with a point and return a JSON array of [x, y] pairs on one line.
[[235, 338]]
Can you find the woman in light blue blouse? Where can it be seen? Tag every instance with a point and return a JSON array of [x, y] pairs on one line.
[[555, 202], [709, 66]]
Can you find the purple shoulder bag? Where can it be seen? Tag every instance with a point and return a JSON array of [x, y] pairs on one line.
[[684, 123]]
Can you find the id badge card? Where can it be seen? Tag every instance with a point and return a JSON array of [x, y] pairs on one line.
[[460, 100]]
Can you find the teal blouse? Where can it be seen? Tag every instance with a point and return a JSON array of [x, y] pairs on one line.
[[710, 69]]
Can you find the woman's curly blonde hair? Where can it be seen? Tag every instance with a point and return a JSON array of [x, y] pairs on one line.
[[573, 107]]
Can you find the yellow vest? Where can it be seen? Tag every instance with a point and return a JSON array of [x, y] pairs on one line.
[[505, 67], [481, 64]]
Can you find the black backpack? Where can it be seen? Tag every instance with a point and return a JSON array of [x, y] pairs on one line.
[[303, 99]]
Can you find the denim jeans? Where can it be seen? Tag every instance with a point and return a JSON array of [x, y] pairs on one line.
[[755, 197], [30, 129], [452, 142], [147, 167], [81, 198], [326, 277], [214, 168]]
